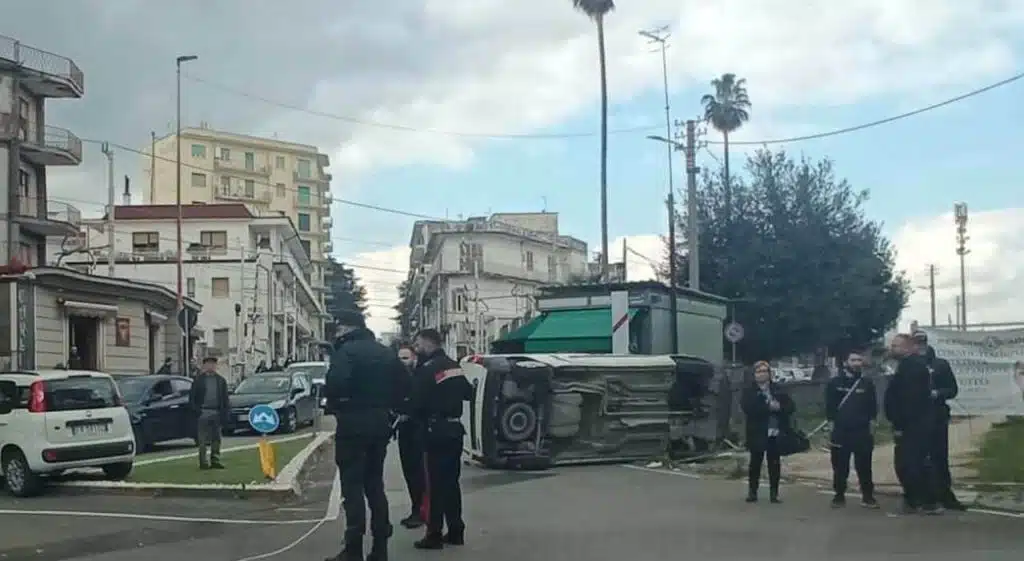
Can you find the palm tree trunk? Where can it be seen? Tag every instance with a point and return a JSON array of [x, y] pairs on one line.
[[728, 178], [604, 148]]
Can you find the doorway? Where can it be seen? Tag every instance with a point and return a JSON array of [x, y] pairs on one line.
[[83, 342]]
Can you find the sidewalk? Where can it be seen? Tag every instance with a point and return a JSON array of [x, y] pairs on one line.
[[964, 440]]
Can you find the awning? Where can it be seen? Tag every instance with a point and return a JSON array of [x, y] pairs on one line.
[[583, 331], [89, 309]]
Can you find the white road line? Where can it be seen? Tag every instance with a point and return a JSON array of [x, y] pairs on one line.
[[664, 471], [156, 517], [970, 509], [147, 461]]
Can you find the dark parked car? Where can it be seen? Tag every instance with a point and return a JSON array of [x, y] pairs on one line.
[[158, 406], [290, 394]]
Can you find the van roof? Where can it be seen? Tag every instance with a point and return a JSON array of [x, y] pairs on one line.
[[310, 363], [55, 373]]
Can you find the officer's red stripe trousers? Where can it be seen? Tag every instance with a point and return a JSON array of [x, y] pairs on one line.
[[425, 503]]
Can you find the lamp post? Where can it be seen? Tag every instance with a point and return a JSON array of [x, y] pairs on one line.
[[182, 320]]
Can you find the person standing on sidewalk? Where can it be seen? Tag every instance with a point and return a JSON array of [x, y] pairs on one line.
[[364, 383], [851, 405], [943, 388], [410, 447], [768, 410], [909, 408], [209, 402]]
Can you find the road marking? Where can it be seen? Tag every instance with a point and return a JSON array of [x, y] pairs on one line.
[[664, 471], [970, 509], [192, 453], [156, 517]]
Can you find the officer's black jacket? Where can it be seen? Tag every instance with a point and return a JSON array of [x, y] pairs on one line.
[[439, 388], [943, 382], [364, 382], [855, 416], [908, 402]]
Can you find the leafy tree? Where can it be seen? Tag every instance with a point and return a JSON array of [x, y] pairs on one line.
[[596, 10], [726, 110], [405, 325], [809, 270], [345, 294]]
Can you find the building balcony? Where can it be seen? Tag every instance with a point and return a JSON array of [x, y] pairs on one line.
[[42, 145], [241, 195], [314, 178], [48, 218], [310, 202], [240, 168], [40, 72]]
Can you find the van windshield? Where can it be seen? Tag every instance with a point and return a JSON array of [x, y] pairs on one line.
[[76, 393]]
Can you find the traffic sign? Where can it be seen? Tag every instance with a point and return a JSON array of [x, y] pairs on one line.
[[264, 419], [734, 332]]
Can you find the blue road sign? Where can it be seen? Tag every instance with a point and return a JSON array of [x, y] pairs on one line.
[[263, 419]]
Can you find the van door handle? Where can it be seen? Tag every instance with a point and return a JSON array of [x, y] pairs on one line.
[[175, 406]]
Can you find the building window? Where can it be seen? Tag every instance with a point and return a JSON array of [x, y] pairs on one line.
[[250, 161], [221, 287], [199, 151], [279, 190], [222, 339], [304, 169], [303, 195], [225, 154], [190, 287], [250, 188], [471, 257], [225, 185], [23, 183], [199, 180], [528, 260], [552, 268], [25, 110], [307, 247], [145, 242], [303, 222], [459, 301], [214, 240], [279, 162]]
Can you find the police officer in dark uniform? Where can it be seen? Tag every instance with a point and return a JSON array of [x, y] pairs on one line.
[[410, 437], [851, 405], [943, 387], [439, 388], [365, 381], [910, 409]]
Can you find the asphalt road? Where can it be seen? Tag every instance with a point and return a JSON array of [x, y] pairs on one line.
[[588, 513]]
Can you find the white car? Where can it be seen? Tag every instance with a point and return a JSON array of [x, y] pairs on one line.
[[55, 420], [317, 371]]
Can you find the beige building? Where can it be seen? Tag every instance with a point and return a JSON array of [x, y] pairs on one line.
[[267, 174]]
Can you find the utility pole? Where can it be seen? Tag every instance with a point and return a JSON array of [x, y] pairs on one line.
[[105, 148], [152, 167], [693, 231], [625, 259], [660, 37], [182, 316], [931, 290], [959, 325], [960, 216]]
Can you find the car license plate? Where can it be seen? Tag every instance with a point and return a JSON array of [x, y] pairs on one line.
[[91, 429], [243, 418]]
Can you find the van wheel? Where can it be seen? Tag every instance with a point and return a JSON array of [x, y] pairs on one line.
[[117, 472], [18, 477]]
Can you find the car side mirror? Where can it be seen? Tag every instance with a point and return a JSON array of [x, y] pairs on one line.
[[296, 391], [8, 396]]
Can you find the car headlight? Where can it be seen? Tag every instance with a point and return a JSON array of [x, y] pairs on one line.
[[279, 404]]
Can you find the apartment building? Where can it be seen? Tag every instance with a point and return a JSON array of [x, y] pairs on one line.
[[266, 174], [53, 315], [474, 280], [249, 271]]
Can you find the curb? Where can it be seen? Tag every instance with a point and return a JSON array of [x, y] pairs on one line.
[[287, 485]]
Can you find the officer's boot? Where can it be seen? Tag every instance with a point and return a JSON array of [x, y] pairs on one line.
[[773, 494], [379, 550], [456, 536], [353, 551], [433, 540]]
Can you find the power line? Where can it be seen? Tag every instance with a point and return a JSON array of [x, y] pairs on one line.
[[884, 121]]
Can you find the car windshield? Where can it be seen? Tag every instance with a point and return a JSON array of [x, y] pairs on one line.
[[264, 384], [132, 389], [310, 370]]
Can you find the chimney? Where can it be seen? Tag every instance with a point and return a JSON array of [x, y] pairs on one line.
[[126, 198]]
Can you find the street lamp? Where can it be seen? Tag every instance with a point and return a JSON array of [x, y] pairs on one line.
[[182, 321]]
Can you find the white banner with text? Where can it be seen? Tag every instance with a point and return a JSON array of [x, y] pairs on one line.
[[989, 368]]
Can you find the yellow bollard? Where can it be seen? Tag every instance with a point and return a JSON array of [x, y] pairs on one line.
[[268, 462]]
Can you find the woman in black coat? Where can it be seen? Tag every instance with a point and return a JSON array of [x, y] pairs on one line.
[[768, 410]]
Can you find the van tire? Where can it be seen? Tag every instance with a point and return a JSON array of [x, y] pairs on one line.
[[18, 477], [118, 471]]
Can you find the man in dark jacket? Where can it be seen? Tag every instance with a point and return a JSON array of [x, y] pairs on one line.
[[439, 388], [909, 408], [410, 446], [364, 383], [209, 403], [943, 387], [851, 405]]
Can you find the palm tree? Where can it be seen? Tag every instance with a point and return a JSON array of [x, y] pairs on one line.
[[726, 110], [596, 10]]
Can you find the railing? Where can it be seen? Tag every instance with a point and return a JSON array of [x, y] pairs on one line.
[[309, 201], [41, 61], [237, 166], [47, 136], [63, 212], [56, 138], [499, 226], [312, 177], [235, 194]]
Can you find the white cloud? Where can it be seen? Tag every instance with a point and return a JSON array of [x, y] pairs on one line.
[[995, 273], [644, 255], [381, 282]]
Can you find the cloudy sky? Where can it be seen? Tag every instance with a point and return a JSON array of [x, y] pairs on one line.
[[463, 107]]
